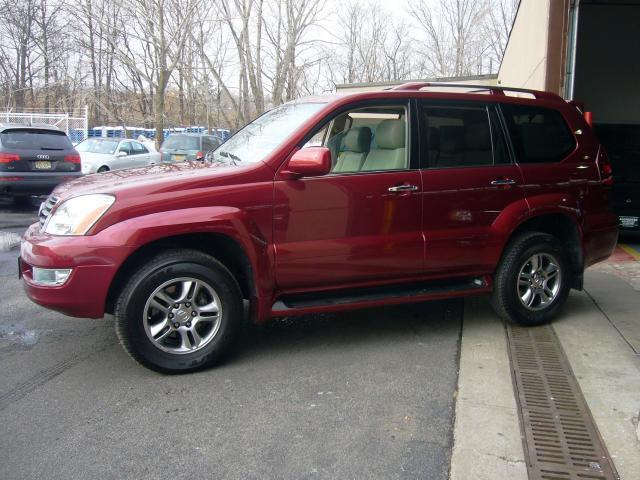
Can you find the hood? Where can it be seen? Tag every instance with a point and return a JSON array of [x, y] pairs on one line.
[[145, 180]]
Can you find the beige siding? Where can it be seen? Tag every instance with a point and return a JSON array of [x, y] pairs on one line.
[[525, 60]]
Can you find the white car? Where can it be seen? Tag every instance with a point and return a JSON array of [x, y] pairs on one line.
[[104, 154]]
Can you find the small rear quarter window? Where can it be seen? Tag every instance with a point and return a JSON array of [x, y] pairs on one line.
[[539, 135]]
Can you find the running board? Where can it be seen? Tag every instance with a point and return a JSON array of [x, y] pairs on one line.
[[317, 302]]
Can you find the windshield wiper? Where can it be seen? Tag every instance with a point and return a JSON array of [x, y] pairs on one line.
[[234, 158]]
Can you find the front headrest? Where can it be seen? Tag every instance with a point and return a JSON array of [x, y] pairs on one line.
[[390, 134], [357, 140], [477, 136]]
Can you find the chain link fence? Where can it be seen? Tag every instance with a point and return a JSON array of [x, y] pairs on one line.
[[76, 127]]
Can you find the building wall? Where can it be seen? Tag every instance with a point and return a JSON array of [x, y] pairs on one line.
[[608, 61], [535, 54]]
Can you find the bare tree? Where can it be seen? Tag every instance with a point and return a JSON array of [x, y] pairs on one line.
[[451, 30], [158, 28], [18, 20], [497, 27]]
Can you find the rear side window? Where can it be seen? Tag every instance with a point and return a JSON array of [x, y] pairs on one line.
[[138, 148], [210, 143], [26, 139], [457, 136], [539, 135]]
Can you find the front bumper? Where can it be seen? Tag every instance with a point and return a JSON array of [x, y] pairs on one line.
[[33, 183], [93, 265]]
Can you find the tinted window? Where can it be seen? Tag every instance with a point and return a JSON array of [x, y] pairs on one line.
[[25, 139], [457, 136], [500, 151], [539, 135], [210, 143]]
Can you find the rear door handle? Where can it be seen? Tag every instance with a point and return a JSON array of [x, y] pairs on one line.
[[403, 188], [503, 181]]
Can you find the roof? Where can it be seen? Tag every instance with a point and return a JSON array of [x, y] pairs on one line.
[[392, 83], [35, 126]]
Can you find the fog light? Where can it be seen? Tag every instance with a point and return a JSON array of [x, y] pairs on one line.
[[51, 277]]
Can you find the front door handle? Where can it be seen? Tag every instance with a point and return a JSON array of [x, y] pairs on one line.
[[503, 181], [403, 188]]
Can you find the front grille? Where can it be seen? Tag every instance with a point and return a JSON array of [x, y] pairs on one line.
[[45, 209]]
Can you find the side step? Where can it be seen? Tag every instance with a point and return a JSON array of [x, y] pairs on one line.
[[376, 296]]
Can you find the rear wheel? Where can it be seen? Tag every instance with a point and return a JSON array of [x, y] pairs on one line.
[[180, 312], [104, 168], [531, 284]]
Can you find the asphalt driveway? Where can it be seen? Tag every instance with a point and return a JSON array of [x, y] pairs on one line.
[[359, 395]]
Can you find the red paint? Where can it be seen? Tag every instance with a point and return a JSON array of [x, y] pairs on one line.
[[309, 162], [303, 231], [588, 117], [72, 158]]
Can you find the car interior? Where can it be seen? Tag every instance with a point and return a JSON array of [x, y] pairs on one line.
[[368, 139]]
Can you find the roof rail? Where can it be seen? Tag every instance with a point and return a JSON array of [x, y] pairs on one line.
[[493, 89]]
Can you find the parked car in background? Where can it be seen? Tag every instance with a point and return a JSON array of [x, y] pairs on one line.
[[180, 147], [104, 154], [34, 159]]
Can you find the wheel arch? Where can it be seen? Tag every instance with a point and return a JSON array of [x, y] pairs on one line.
[[220, 246], [564, 227]]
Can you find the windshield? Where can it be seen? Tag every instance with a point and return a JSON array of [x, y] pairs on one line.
[[98, 146], [181, 142], [262, 136]]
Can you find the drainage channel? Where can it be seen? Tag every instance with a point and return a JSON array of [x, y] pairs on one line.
[[560, 438]]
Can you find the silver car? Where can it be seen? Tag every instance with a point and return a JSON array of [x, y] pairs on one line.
[[104, 154]]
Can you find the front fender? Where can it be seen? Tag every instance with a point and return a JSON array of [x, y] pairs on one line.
[[232, 222]]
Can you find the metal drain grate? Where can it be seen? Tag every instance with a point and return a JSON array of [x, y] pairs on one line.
[[560, 438]]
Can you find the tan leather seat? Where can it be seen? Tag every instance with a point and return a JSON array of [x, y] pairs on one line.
[[391, 152], [356, 144]]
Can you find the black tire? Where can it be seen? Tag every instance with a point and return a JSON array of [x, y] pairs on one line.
[[163, 267], [506, 300], [103, 168]]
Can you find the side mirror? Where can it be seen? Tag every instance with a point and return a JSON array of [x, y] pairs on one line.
[[121, 154], [310, 162]]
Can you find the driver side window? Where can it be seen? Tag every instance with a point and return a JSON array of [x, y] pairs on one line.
[[366, 139], [125, 147]]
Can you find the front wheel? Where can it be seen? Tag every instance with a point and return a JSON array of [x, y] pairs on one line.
[[180, 312], [532, 281]]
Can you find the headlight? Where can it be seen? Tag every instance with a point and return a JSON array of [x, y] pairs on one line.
[[78, 214]]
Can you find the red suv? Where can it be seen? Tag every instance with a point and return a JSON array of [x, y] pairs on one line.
[[333, 203]]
